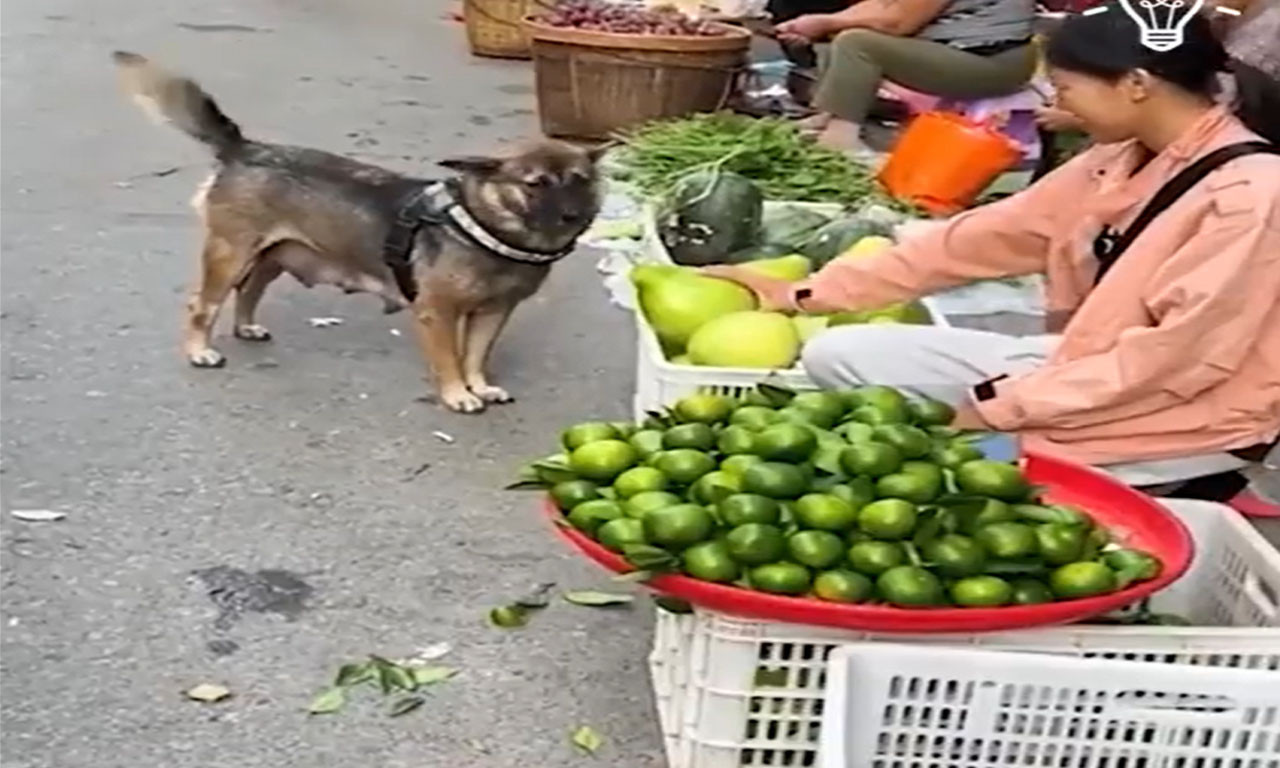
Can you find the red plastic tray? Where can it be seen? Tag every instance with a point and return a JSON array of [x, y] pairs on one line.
[[1135, 518]]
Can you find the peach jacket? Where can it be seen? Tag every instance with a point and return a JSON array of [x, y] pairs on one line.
[[1175, 353]]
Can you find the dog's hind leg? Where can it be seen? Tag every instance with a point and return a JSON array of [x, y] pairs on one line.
[[437, 318], [483, 327], [249, 293], [223, 265]]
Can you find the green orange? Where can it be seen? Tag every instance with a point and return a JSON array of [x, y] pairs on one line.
[[602, 460]]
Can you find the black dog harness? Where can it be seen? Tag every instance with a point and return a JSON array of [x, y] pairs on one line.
[[439, 203]]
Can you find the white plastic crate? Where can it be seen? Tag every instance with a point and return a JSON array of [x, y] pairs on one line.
[[660, 382], [903, 706], [753, 690]]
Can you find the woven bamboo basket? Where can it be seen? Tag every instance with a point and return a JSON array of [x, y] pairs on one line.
[[591, 85], [495, 27]]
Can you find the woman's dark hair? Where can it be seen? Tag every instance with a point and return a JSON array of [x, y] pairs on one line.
[[1108, 45]]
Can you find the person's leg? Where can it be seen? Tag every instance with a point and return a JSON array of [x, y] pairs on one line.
[[802, 54], [945, 363], [786, 10], [927, 361], [860, 59]]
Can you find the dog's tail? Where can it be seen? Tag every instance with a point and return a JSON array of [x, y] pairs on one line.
[[174, 99]]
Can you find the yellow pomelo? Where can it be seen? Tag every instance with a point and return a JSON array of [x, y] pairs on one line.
[[679, 301], [792, 268], [746, 340], [867, 246]]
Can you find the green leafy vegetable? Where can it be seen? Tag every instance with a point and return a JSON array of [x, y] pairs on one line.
[[772, 153]]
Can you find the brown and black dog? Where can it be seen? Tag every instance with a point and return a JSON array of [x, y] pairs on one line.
[[461, 254]]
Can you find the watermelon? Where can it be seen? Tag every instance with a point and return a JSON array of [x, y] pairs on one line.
[[835, 238], [709, 214], [757, 252], [790, 225]]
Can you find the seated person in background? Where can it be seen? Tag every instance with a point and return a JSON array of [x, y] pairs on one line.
[[965, 49], [1163, 363], [780, 11]]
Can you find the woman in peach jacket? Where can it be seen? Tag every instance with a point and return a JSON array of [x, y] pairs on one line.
[[1163, 361]]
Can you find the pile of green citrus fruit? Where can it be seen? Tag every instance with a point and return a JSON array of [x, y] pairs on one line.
[[853, 496]]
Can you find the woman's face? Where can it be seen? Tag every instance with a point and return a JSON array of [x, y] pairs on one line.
[[1109, 110]]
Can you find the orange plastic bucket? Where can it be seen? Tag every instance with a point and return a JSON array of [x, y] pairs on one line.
[[943, 161]]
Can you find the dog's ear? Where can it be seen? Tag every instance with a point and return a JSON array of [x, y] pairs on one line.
[[597, 152], [473, 164]]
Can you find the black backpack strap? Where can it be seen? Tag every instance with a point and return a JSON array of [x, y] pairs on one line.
[[1109, 245]]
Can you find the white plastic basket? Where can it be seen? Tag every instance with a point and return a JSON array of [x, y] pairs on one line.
[[753, 690], [903, 706], [660, 382]]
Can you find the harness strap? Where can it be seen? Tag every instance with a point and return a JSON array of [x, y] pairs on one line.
[[1110, 244], [438, 203]]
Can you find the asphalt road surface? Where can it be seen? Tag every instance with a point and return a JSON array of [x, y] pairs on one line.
[[258, 526]]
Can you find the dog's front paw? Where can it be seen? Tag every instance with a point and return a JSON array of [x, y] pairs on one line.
[[206, 358], [492, 394], [252, 332], [462, 401]]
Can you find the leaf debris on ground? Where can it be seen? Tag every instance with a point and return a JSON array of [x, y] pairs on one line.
[[324, 322], [328, 702], [37, 515], [406, 705], [208, 693], [389, 677], [587, 739], [594, 599]]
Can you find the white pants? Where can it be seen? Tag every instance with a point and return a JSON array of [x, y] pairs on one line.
[[945, 363]]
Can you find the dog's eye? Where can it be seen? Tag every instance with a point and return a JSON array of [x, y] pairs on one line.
[[538, 181]]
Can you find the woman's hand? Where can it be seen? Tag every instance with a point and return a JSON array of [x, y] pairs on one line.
[[1056, 119], [771, 292], [809, 28], [968, 418]]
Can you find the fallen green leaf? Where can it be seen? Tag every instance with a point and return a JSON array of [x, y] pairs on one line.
[[594, 599], [328, 702], [354, 674], [587, 740], [405, 706], [432, 675], [509, 616], [402, 678]]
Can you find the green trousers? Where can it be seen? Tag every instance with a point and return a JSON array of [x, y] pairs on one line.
[[858, 59]]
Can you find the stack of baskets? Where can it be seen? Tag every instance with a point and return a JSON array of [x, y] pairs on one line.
[[735, 692]]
